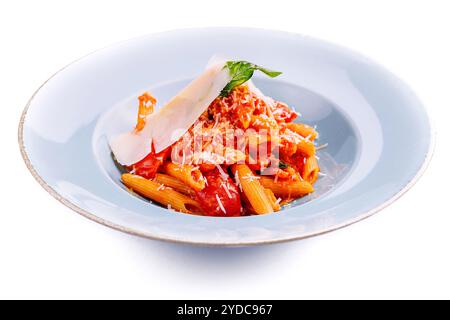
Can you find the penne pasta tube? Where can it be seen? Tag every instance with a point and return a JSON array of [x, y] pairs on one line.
[[273, 200], [306, 147], [287, 188], [304, 130], [252, 189], [310, 170], [157, 192], [188, 174], [174, 183], [146, 105]]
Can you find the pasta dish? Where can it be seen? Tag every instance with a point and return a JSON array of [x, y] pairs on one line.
[[220, 147]]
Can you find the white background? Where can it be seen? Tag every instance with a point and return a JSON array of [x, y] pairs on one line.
[[48, 251]]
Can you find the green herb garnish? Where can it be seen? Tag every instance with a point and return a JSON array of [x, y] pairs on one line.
[[242, 71], [282, 165]]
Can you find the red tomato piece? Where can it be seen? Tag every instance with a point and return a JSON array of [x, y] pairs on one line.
[[148, 167], [220, 197]]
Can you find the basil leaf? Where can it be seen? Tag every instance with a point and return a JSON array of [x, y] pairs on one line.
[[282, 165], [268, 72], [241, 72]]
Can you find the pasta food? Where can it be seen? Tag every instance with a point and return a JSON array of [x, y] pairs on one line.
[[252, 188], [220, 147], [161, 194]]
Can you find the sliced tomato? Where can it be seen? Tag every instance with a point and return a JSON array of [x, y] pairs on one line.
[[148, 167], [220, 198]]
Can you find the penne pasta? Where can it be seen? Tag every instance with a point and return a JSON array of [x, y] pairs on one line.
[[287, 188], [273, 200], [252, 189], [146, 105], [174, 183], [306, 147], [161, 194], [188, 174], [310, 170], [304, 130]]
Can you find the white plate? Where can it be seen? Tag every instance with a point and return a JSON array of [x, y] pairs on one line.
[[378, 133]]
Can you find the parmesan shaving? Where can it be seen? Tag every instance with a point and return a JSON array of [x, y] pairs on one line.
[[222, 173], [224, 186], [323, 146], [238, 182], [220, 204], [173, 120], [251, 178]]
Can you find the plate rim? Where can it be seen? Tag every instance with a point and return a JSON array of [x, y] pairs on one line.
[[391, 199]]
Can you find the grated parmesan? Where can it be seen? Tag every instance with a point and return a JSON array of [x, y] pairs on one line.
[[220, 204], [225, 187], [323, 146], [222, 173], [238, 182], [251, 177]]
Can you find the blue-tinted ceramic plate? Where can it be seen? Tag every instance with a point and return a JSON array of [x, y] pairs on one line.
[[378, 133]]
